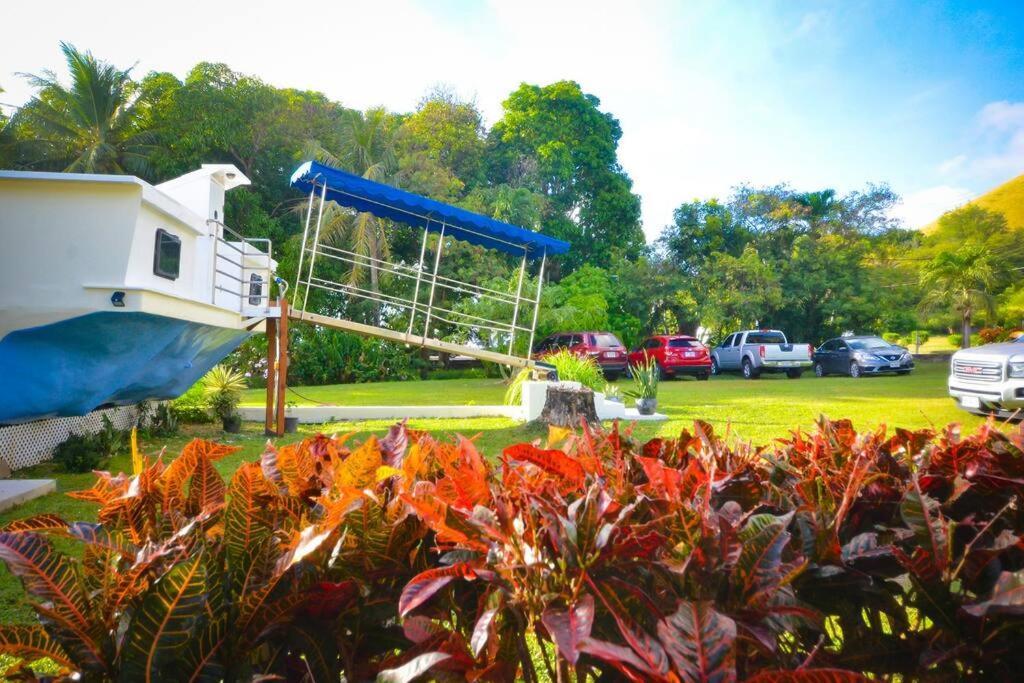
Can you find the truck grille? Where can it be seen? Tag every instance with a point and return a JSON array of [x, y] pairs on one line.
[[978, 370]]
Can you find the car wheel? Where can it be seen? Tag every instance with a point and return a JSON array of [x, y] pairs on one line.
[[715, 370], [856, 371], [611, 376], [819, 370], [748, 370], [794, 374]]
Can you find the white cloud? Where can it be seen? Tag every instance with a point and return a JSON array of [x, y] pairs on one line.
[[920, 208], [1002, 116], [950, 165]]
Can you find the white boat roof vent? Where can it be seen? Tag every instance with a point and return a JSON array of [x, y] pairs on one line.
[[203, 190]]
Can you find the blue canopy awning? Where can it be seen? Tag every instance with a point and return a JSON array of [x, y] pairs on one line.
[[388, 202]]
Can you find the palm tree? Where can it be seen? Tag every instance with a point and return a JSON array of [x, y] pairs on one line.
[[367, 149], [819, 206], [93, 126], [962, 280]]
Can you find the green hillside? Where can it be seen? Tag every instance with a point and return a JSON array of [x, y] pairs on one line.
[[1007, 199]]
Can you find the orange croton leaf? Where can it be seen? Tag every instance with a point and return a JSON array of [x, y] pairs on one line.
[[209, 449], [359, 469]]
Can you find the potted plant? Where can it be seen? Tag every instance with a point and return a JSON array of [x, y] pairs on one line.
[[645, 386], [613, 393], [223, 388], [291, 422]]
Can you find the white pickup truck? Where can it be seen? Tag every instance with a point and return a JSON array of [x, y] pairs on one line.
[[755, 351], [989, 380]]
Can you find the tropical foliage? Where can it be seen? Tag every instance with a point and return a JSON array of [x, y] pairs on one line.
[[829, 556]]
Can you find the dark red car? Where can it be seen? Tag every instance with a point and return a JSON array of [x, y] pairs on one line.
[[603, 347], [676, 354]]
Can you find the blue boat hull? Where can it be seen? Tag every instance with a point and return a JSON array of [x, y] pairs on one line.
[[106, 358]]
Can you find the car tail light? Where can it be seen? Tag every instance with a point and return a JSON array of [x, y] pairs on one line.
[[760, 350], [810, 351]]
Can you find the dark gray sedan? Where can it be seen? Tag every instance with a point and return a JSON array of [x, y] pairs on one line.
[[861, 355]]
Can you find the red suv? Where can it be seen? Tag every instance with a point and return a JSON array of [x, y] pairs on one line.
[[603, 347], [676, 354]]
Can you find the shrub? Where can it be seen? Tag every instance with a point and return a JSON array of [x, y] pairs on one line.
[[957, 339], [992, 335], [892, 337], [922, 336], [570, 368], [826, 557], [80, 453], [191, 407], [86, 452]]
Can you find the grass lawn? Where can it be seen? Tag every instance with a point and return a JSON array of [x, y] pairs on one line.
[[757, 411]]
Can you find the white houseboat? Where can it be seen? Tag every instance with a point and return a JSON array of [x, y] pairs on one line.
[[114, 291]]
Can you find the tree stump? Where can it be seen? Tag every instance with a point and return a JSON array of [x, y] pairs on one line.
[[566, 407]]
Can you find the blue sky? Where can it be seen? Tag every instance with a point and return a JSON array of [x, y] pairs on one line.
[[928, 97]]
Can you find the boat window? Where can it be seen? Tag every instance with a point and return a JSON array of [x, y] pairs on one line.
[[255, 289], [167, 257]]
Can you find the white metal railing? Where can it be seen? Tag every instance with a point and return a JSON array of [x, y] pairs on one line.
[[241, 270], [423, 279]]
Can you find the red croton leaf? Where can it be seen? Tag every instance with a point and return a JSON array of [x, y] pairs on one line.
[[326, 599], [425, 584], [553, 461], [568, 627]]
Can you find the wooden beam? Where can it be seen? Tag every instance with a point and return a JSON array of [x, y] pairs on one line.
[[282, 365], [413, 339], [270, 424]]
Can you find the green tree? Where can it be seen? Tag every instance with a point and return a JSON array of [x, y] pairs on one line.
[[963, 281], [91, 126], [557, 141], [738, 291], [449, 132], [700, 229]]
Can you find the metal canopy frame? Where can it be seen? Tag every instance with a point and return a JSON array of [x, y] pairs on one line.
[[421, 314]]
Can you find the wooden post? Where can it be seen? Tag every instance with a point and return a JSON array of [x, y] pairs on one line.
[[282, 364], [270, 424]]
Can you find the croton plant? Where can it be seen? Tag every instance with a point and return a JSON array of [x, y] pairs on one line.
[[829, 556]]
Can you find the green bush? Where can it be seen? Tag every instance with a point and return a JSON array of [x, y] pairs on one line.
[[163, 422], [190, 407], [892, 337], [80, 453], [956, 339], [570, 368]]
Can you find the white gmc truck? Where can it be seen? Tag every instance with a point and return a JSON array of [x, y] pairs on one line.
[[989, 380], [755, 351]]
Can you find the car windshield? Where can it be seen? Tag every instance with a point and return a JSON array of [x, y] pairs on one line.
[[766, 338], [604, 340], [870, 343]]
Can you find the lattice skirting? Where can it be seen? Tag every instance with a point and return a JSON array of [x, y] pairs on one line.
[[24, 445]]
